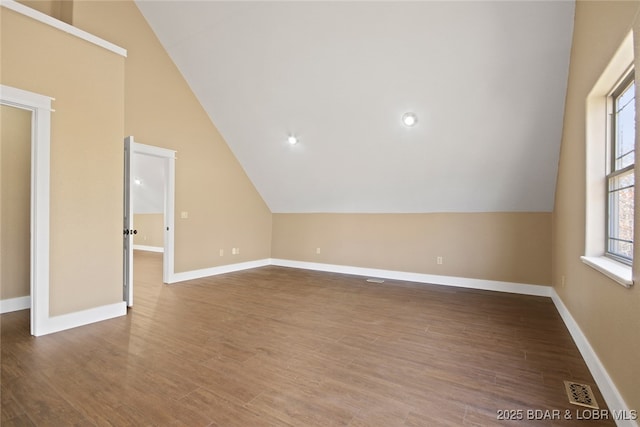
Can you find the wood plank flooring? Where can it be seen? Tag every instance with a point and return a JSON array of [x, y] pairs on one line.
[[275, 346]]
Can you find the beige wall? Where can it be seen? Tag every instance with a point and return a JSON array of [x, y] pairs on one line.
[[150, 230], [59, 9], [86, 155], [15, 204], [513, 247], [223, 206], [225, 210], [607, 313]]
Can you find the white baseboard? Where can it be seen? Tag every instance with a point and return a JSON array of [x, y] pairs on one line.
[[148, 248], [15, 304], [462, 282], [81, 318], [605, 383], [214, 271]]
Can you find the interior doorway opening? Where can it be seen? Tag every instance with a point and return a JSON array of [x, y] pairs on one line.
[[39, 107], [15, 208], [148, 199], [149, 193]]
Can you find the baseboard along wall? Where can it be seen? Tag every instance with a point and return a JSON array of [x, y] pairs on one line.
[[148, 248], [15, 304]]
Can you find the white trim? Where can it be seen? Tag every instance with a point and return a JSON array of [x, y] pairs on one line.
[[598, 105], [40, 228], [168, 266], [463, 282], [63, 26], [151, 150], [15, 304], [127, 223], [605, 383], [148, 248], [24, 99], [214, 271], [614, 270], [83, 317], [40, 107]]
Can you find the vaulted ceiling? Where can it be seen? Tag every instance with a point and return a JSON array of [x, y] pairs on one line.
[[487, 81]]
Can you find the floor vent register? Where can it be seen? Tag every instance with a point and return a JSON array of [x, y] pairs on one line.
[[580, 394]]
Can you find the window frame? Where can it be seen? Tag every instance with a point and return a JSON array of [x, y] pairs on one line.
[[621, 86], [596, 163]]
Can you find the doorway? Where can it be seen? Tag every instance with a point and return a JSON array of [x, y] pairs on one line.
[[148, 193], [39, 107], [15, 208], [159, 178]]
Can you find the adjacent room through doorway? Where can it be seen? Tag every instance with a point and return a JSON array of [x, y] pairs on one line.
[[148, 199], [15, 207]]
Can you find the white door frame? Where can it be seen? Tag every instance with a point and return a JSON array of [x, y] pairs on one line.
[[169, 157], [40, 107]]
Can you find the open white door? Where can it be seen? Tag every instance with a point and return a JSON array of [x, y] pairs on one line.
[[132, 148], [128, 230]]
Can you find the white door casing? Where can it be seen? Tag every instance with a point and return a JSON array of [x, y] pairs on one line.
[[127, 268], [40, 107]]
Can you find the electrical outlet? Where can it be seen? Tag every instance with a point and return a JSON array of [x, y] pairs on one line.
[[562, 281], [221, 252], [317, 250], [184, 215], [439, 260]]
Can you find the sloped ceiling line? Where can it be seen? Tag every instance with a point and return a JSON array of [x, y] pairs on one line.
[[486, 79]]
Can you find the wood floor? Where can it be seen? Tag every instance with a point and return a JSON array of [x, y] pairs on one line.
[[276, 346]]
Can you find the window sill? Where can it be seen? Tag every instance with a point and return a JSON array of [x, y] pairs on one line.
[[617, 271]]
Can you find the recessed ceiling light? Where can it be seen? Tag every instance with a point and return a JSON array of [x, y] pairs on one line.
[[292, 140], [409, 119], [137, 181]]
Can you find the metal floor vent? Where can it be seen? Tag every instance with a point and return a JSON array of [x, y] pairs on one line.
[[375, 280], [580, 394]]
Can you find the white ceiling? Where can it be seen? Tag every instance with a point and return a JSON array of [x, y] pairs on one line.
[[486, 79]]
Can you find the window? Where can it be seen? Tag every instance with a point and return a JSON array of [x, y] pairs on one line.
[[620, 177], [610, 159]]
